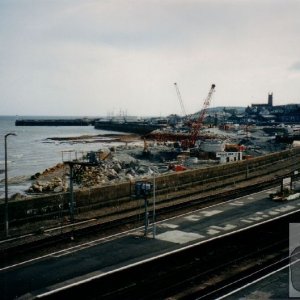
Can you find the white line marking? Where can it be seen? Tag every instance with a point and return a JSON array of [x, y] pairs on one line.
[[246, 221], [237, 203], [211, 212], [168, 225], [212, 231], [285, 208], [256, 218], [193, 218], [178, 237], [226, 227], [273, 213]]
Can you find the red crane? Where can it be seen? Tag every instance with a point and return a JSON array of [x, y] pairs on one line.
[[196, 126]]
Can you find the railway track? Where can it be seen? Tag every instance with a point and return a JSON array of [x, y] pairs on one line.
[[169, 203]]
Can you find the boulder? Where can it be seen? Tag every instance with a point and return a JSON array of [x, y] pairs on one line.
[[58, 189]]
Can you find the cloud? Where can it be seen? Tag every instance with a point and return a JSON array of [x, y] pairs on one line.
[[93, 57], [295, 66]]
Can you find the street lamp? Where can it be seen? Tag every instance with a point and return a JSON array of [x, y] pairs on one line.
[[154, 199], [6, 192]]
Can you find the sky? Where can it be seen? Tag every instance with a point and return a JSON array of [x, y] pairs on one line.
[[111, 57]]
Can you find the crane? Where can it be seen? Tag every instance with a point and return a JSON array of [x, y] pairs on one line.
[[180, 100], [198, 124]]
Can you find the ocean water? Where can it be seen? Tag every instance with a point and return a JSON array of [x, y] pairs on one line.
[[30, 152]]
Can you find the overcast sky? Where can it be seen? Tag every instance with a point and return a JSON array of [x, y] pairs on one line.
[[100, 57]]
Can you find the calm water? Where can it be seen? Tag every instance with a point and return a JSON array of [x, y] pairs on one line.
[[30, 152]]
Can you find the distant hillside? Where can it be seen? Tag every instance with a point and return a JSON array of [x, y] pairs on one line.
[[239, 109], [221, 109]]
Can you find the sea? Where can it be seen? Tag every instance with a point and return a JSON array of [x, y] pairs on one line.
[[30, 151]]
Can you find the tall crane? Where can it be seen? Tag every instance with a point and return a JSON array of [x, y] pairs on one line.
[[180, 100], [196, 126]]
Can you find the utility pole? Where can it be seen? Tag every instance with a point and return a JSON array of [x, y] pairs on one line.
[[154, 216], [6, 181]]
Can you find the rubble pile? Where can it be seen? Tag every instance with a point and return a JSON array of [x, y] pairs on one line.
[[119, 166], [110, 172], [56, 185]]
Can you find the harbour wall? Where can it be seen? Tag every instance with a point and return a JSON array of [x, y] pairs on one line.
[[132, 127], [55, 122]]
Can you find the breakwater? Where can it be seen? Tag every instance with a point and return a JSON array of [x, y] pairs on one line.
[[55, 122], [132, 127]]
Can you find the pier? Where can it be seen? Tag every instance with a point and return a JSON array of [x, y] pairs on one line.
[[55, 122]]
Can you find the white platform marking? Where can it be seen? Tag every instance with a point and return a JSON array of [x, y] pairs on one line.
[[226, 227], [285, 208], [261, 214], [250, 198], [167, 225], [193, 218], [237, 203], [273, 213], [246, 221], [209, 213], [178, 237], [256, 218], [212, 231]]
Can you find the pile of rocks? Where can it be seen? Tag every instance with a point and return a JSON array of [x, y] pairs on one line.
[[119, 166], [110, 172], [56, 185]]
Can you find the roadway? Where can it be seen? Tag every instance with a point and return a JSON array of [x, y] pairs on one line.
[[99, 257]]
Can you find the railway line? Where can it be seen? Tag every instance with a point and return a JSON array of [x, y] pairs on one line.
[[169, 202]]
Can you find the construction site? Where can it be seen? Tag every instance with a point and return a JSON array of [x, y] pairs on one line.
[[188, 144]]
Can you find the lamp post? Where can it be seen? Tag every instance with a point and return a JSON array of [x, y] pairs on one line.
[[154, 199], [6, 191]]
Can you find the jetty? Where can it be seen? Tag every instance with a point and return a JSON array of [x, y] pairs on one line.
[[56, 122], [132, 127]]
